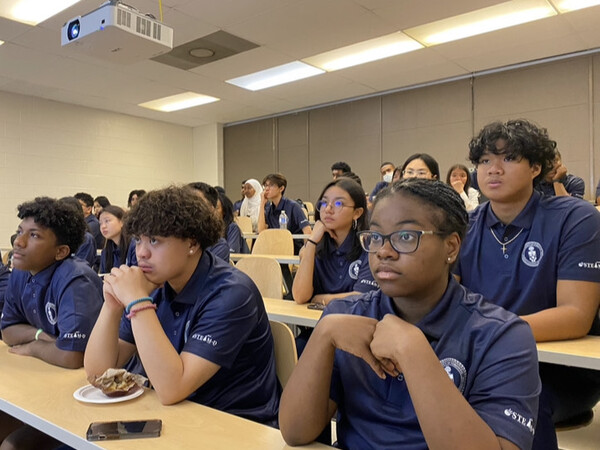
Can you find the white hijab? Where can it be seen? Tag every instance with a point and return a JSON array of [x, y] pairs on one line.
[[251, 206]]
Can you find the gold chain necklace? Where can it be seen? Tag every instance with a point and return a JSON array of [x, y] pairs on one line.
[[504, 244]]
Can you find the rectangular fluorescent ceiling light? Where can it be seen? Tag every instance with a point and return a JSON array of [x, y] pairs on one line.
[[32, 12], [573, 5], [179, 101], [364, 52], [275, 76], [481, 21]]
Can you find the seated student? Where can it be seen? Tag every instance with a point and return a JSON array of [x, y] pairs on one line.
[[387, 173], [252, 203], [210, 195], [340, 169], [119, 248], [421, 165], [422, 362], [99, 203], [134, 196], [273, 203], [534, 255], [87, 203], [197, 325], [560, 183], [232, 234], [237, 205], [460, 179], [87, 250], [52, 300]]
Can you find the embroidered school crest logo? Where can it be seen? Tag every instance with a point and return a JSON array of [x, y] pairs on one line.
[[532, 253], [354, 269], [456, 372], [51, 313]]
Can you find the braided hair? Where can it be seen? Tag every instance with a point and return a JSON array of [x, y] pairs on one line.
[[523, 140], [449, 213]]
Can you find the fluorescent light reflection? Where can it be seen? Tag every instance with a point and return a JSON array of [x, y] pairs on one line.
[[574, 5], [179, 101], [32, 12], [364, 52], [275, 76]]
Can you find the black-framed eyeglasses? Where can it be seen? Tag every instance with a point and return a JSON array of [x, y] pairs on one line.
[[336, 205], [404, 241]]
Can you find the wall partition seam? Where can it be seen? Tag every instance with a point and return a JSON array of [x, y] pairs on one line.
[[275, 145], [591, 123], [472, 85]]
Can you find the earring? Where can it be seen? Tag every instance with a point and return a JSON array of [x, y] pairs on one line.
[[449, 259], [191, 252]]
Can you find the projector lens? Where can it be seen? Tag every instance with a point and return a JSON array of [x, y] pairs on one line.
[[73, 30]]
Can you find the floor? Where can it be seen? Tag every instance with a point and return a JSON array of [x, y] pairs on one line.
[[585, 438]]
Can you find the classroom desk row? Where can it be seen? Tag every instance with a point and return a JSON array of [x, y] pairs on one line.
[[584, 352], [42, 396]]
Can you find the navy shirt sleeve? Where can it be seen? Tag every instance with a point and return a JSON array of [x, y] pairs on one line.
[[87, 250], [575, 186]]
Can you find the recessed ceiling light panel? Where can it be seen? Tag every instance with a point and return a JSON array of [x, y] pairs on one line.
[[32, 12], [275, 76], [179, 101]]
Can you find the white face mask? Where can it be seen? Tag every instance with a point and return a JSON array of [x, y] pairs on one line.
[[388, 177]]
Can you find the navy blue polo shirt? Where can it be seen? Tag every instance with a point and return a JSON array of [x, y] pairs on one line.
[[87, 250], [64, 300], [488, 352], [333, 272], [296, 218], [220, 249], [4, 275], [235, 240], [575, 186], [560, 240], [220, 316], [94, 228], [130, 259], [378, 187]]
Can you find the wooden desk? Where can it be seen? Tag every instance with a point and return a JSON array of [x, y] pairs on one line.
[[282, 259], [584, 352], [288, 311], [294, 236], [42, 395]]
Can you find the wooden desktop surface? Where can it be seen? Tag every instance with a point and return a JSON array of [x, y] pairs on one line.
[[584, 352], [42, 395], [282, 259], [288, 311]]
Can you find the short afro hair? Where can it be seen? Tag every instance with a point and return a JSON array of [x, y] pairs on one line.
[[61, 217], [175, 211]]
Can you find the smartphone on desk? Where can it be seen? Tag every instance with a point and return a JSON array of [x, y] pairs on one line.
[[121, 429], [316, 306]]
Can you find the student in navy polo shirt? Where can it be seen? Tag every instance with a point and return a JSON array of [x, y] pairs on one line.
[[119, 248], [560, 183], [87, 250], [211, 196], [197, 325], [387, 173], [422, 362], [232, 233], [273, 202], [535, 256], [87, 203], [52, 299]]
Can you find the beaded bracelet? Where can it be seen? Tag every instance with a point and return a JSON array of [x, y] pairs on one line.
[[141, 308], [135, 302], [37, 334]]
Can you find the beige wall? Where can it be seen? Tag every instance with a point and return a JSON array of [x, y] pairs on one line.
[[56, 149], [440, 119]]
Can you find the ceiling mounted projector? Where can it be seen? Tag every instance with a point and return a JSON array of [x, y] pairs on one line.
[[117, 32]]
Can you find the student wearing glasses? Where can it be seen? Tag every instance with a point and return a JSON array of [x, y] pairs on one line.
[[273, 203], [421, 165], [421, 362]]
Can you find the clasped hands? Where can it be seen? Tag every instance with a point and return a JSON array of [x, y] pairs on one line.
[[126, 284]]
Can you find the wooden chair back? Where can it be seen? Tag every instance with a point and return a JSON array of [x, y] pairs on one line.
[[274, 241], [245, 224], [285, 351], [266, 274]]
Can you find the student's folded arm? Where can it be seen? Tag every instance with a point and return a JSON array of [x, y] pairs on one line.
[[49, 352], [104, 348], [576, 306], [324, 299], [18, 334], [302, 289], [174, 376]]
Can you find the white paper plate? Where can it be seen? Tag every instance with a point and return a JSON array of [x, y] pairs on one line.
[[90, 394]]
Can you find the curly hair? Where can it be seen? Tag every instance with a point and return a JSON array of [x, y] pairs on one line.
[[175, 211], [449, 213], [60, 217], [523, 140]]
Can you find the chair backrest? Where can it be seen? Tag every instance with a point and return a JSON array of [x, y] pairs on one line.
[[310, 208], [266, 274], [285, 351], [274, 241], [245, 224]]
